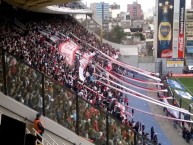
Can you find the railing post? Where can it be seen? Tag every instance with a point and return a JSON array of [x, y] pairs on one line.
[[180, 112], [4, 73], [107, 129], [77, 114], [135, 138], [180, 103], [86, 21], [161, 67], [43, 94], [189, 108]]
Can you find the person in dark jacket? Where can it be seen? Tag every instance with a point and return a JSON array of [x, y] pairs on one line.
[[152, 132]]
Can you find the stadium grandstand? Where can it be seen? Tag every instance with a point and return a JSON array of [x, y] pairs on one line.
[[51, 64]]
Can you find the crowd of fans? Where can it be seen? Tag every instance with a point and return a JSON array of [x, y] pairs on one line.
[[72, 5], [34, 45]]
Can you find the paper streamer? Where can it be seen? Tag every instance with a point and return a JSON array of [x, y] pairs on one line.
[[151, 101], [152, 114], [127, 83], [161, 116], [141, 95], [138, 70], [137, 80], [156, 115]]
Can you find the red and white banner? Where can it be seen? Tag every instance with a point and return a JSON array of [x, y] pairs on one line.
[[81, 74], [151, 75], [181, 30], [68, 49], [85, 60], [83, 64]]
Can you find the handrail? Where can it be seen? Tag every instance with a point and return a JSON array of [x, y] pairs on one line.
[[0, 115], [43, 139], [26, 119], [28, 130], [54, 142]]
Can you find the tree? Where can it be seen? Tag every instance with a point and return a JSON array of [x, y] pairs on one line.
[[150, 19], [142, 37], [116, 35]]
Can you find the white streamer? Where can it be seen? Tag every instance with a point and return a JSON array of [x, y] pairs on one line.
[[140, 81], [153, 90], [151, 101]]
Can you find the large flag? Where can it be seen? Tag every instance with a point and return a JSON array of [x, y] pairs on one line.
[[85, 59], [81, 74], [68, 49]]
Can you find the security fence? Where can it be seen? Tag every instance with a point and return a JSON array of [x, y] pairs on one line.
[[34, 89]]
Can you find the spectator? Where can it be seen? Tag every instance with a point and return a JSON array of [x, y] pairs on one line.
[[39, 128], [152, 133]]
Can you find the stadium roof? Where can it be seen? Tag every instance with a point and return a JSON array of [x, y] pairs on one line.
[[36, 4]]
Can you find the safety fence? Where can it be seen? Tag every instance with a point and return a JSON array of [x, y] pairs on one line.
[[43, 94]]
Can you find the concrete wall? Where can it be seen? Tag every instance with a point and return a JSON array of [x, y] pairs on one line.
[[131, 49], [131, 60], [155, 67], [10, 107], [165, 69], [148, 66]]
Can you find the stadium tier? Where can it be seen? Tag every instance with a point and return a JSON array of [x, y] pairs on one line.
[[30, 45], [53, 65]]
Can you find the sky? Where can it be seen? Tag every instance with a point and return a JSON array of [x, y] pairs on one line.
[[145, 4]]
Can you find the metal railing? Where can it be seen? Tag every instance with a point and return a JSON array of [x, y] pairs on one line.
[[43, 142], [53, 141], [35, 133], [181, 103], [61, 104]]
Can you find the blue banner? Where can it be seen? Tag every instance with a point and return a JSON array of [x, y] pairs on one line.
[[175, 84], [184, 94]]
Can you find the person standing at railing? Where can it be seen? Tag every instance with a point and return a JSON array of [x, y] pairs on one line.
[[38, 126]]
